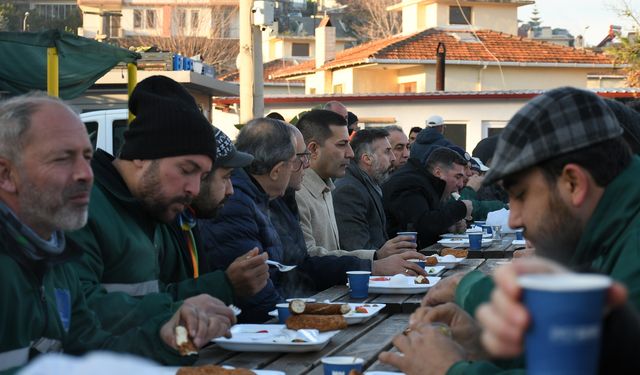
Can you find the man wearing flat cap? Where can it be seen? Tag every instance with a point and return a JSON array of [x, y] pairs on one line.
[[132, 268], [571, 180]]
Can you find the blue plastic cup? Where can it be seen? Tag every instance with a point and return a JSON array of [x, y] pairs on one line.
[[341, 365], [412, 234], [519, 235], [487, 229], [283, 312], [475, 241], [359, 283], [479, 223], [566, 318]]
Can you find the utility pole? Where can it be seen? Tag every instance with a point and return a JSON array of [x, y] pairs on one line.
[[245, 62]]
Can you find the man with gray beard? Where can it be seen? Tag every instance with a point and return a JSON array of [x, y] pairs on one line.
[[357, 199]]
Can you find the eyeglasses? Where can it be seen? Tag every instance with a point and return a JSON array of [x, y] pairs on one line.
[[302, 159]]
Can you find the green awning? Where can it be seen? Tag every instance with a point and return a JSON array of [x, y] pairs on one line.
[[82, 61]]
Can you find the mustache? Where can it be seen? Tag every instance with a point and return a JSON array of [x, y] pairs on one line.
[[78, 189]]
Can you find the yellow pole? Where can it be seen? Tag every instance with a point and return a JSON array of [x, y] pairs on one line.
[[53, 85], [132, 80]]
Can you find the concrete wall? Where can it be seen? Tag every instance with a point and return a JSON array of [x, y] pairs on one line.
[[478, 115], [374, 80]]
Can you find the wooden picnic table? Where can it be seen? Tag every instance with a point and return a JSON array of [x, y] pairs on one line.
[[365, 340], [498, 249]]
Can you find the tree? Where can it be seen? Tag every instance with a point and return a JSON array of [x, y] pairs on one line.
[[211, 39], [628, 50], [370, 19], [535, 20]]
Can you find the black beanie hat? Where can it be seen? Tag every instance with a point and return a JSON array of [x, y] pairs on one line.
[[168, 123]]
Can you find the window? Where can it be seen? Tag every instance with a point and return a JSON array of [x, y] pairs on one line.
[[195, 20], [456, 133], [407, 87], [115, 26], [337, 89], [119, 127], [137, 19], [181, 18], [494, 131], [151, 19], [458, 14], [92, 130], [300, 49]]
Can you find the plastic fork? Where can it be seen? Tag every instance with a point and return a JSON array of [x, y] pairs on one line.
[[236, 310], [281, 267]]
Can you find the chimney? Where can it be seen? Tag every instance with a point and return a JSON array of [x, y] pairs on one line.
[[325, 42], [579, 42], [441, 58]]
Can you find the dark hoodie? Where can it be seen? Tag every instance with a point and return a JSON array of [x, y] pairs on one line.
[[428, 140]]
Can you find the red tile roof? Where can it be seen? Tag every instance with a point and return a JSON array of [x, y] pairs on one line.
[[495, 45], [269, 68]]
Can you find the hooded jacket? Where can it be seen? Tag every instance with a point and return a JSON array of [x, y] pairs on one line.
[[413, 196], [428, 140]]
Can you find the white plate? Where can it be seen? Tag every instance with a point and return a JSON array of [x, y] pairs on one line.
[[383, 373], [462, 235], [173, 370], [352, 317], [407, 287], [518, 242], [462, 242], [277, 338], [448, 264], [434, 270]]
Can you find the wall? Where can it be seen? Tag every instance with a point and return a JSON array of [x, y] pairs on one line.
[[374, 80], [476, 114], [498, 18], [416, 74]]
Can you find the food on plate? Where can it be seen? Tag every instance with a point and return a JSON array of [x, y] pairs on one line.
[[355, 372], [185, 346], [322, 323], [213, 370], [421, 280], [302, 307], [458, 253], [361, 310], [431, 261], [381, 278]]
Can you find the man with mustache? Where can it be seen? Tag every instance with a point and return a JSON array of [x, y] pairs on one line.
[[357, 199], [45, 181], [132, 268]]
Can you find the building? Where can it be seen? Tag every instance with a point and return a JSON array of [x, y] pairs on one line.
[[484, 56], [159, 18]]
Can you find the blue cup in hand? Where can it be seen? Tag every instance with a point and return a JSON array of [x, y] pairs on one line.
[[283, 312], [359, 283], [566, 318], [519, 235], [475, 241], [412, 234], [341, 365]]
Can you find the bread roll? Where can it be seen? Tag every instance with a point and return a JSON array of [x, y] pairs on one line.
[[322, 323], [213, 370], [301, 307], [458, 253]]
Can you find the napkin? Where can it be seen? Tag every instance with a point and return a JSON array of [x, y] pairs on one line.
[[95, 363], [500, 217]]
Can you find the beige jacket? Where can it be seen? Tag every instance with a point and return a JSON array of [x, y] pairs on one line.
[[318, 220]]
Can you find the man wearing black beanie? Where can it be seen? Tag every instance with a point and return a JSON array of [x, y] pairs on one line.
[[131, 268]]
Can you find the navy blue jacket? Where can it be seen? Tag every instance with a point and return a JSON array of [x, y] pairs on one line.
[[242, 224], [313, 274], [426, 141]]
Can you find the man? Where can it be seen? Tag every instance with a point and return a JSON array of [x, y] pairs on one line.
[[429, 139], [45, 181], [568, 173], [419, 196], [352, 123], [357, 198], [337, 107], [413, 133], [244, 222], [313, 274], [132, 268], [399, 146], [215, 189], [325, 134]]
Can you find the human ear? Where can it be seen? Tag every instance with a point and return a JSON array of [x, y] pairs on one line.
[[277, 170], [314, 149], [576, 183], [7, 176]]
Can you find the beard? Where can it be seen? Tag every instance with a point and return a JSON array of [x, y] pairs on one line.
[[559, 232], [154, 201], [40, 208], [380, 174]]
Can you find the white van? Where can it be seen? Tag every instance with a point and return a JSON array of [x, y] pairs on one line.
[[106, 128]]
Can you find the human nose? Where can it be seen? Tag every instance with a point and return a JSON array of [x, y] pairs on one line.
[[515, 217], [229, 188], [83, 171], [349, 152], [192, 186]]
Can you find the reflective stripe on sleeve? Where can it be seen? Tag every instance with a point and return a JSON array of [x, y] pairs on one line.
[[136, 290]]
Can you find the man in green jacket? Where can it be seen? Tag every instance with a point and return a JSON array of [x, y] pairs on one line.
[[45, 182], [132, 268], [571, 180]]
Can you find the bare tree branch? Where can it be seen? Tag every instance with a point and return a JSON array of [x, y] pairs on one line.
[[370, 20]]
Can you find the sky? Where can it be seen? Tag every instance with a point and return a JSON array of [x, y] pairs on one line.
[[590, 18]]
